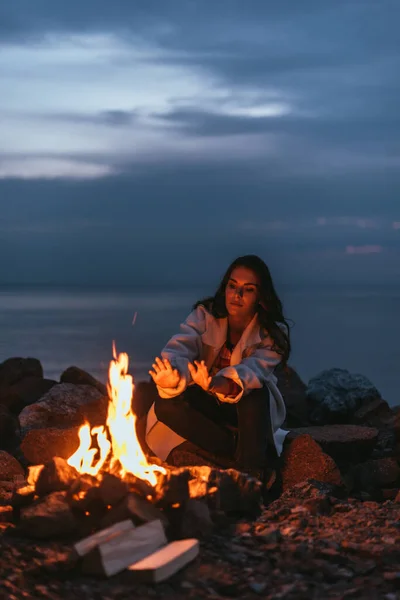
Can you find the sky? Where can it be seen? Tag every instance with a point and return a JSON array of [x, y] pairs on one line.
[[150, 143]]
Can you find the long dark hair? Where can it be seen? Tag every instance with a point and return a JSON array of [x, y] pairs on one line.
[[270, 309]]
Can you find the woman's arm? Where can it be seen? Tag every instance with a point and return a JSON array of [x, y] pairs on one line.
[[184, 348], [252, 372]]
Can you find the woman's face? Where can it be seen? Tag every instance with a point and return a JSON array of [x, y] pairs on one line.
[[242, 293]]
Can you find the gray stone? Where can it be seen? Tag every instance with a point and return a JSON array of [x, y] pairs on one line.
[[16, 368], [336, 394], [80, 377], [65, 405], [24, 392], [344, 443], [9, 429]]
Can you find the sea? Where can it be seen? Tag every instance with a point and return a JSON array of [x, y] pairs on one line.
[[353, 327]]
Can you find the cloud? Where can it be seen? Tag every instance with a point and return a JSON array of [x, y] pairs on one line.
[[51, 168], [130, 84], [193, 130], [372, 249]]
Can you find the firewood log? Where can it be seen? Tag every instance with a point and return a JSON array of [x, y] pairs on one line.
[[87, 544], [165, 562], [117, 554]]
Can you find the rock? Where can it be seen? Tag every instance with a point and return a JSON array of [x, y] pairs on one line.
[[389, 493], [381, 473], [48, 517], [78, 376], [336, 394], [9, 429], [308, 490], [25, 392], [293, 390], [56, 475], [172, 488], [196, 520], [304, 459], [13, 370], [376, 413], [22, 496], [112, 489], [344, 443], [39, 446], [396, 426], [65, 405], [385, 444], [9, 467], [6, 492]]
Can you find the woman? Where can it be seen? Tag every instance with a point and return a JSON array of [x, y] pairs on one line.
[[215, 379]]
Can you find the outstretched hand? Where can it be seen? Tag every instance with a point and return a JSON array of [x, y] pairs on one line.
[[163, 374], [200, 375]]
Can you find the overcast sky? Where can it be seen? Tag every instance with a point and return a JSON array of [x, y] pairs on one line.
[[147, 142]]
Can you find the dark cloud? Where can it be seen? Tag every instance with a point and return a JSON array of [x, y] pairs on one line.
[[336, 66]]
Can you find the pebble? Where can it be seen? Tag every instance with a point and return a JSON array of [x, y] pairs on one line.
[[257, 586]]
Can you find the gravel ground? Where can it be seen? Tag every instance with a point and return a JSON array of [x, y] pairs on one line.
[[304, 545]]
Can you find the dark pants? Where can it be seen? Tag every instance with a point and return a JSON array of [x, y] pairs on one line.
[[240, 431]]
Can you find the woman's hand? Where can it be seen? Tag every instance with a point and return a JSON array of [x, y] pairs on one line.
[[199, 373], [163, 374], [225, 386]]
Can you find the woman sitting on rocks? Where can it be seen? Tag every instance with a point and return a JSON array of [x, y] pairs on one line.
[[215, 379]]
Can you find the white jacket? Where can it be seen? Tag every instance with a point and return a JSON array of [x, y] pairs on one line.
[[252, 366]]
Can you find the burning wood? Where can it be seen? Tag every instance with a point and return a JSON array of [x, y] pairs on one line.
[[123, 508], [136, 508]]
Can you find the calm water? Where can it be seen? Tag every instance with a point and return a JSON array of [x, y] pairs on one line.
[[353, 328]]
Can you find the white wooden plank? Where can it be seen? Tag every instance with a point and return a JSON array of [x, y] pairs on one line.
[[165, 562], [105, 535]]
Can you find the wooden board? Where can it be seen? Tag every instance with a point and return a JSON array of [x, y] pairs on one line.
[[165, 562], [87, 544], [117, 554]]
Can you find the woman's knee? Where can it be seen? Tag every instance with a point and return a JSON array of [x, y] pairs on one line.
[[167, 410]]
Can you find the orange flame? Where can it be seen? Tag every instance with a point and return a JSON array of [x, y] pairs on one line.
[[126, 452]]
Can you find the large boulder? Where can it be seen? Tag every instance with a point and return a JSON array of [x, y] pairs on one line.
[[65, 405], [304, 459], [9, 467], [39, 446], [372, 474], [24, 392], [376, 413], [14, 369], [336, 394], [80, 377], [9, 429], [6, 493], [344, 443]]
